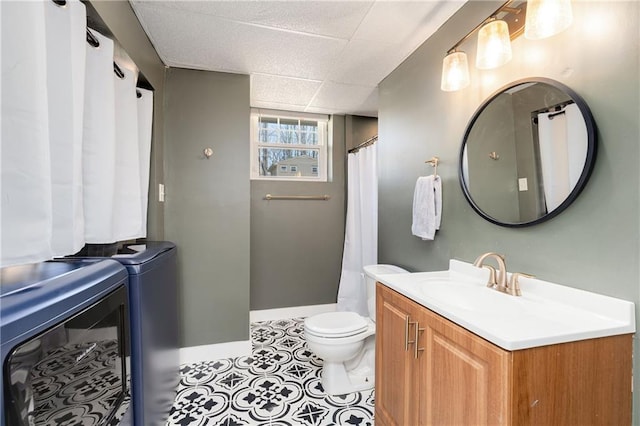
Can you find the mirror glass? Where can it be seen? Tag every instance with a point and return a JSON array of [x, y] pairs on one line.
[[527, 152]]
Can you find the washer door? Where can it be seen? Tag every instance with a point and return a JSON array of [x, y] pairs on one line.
[[75, 371]]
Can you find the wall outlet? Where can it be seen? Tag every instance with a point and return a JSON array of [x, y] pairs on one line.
[[161, 192], [522, 184]]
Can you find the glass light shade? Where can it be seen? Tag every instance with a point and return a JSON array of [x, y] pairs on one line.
[[494, 45], [546, 18], [455, 72]]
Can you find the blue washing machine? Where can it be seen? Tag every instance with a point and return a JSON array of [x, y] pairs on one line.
[[153, 294], [65, 343]]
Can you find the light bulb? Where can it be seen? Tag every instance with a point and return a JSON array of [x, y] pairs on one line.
[[455, 72], [494, 45], [546, 18]]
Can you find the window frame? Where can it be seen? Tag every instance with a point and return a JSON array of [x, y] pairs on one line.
[[322, 146]]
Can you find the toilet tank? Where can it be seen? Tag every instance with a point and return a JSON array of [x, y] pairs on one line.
[[371, 273]]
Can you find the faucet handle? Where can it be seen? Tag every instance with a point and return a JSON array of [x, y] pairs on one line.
[[492, 276], [514, 285]]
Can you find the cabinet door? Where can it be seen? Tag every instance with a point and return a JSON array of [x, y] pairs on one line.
[[462, 378], [394, 363]]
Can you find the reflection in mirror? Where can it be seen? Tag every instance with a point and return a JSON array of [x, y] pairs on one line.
[[527, 153]]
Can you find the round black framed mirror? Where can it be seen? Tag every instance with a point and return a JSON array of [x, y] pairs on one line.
[[527, 152]]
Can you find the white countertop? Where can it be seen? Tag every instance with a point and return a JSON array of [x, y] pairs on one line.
[[545, 314]]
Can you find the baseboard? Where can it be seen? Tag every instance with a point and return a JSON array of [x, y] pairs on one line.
[[292, 312], [193, 354]]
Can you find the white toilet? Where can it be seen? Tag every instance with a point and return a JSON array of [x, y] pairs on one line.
[[346, 341]]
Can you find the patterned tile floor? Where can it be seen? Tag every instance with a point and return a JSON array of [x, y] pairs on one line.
[[279, 385]]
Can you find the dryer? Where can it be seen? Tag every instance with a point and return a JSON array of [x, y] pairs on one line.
[[65, 347]]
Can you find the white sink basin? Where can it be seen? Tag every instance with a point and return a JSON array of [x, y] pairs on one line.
[[545, 314], [464, 296]]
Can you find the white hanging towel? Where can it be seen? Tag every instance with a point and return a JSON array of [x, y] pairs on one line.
[[99, 142], [427, 207], [127, 212], [66, 54], [145, 129], [25, 171], [361, 232]]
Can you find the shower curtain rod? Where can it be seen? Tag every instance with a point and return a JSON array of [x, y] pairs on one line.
[[554, 108], [368, 142]]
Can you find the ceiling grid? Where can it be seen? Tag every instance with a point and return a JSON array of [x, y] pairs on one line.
[[314, 56]]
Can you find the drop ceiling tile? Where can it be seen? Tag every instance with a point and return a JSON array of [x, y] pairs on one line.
[[328, 111], [405, 22], [428, 26], [222, 45], [343, 97], [284, 90], [338, 19], [278, 106], [369, 107], [366, 63]]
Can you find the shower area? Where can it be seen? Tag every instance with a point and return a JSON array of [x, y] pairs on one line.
[[297, 245]]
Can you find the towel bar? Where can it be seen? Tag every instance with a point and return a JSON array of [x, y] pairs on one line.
[[324, 197]]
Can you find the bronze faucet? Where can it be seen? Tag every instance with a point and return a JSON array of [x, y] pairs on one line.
[[501, 283]]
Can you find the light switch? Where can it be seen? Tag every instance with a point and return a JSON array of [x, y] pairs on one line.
[[161, 192], [522, 184]]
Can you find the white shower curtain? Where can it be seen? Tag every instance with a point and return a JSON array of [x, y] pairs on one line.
[[563, 149], [60, 182], [127, 211], [145, 127], [361, 233], [25, 174], [66, 55], [99, 149]]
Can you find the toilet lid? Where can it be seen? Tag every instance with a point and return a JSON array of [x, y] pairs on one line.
[[336, 324]]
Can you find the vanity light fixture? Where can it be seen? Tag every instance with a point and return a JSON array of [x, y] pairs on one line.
[[455, 72], [494, 45], [544, 18]]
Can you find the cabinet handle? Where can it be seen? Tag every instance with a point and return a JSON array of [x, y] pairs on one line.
[[416, 341], [406, 333]]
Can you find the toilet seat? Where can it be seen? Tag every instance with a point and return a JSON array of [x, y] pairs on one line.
[[336, 324]]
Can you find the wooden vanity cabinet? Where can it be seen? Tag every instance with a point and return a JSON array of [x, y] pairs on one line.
[[396, 371], [454, 377]]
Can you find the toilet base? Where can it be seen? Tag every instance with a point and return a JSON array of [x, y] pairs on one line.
[[336, 381]]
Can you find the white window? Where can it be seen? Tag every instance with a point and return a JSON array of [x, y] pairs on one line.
[[289, 146]]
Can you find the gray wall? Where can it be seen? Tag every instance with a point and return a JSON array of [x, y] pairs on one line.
[[124, 25], [359, 129], [207, 201], [296, 246], [594, 244]]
